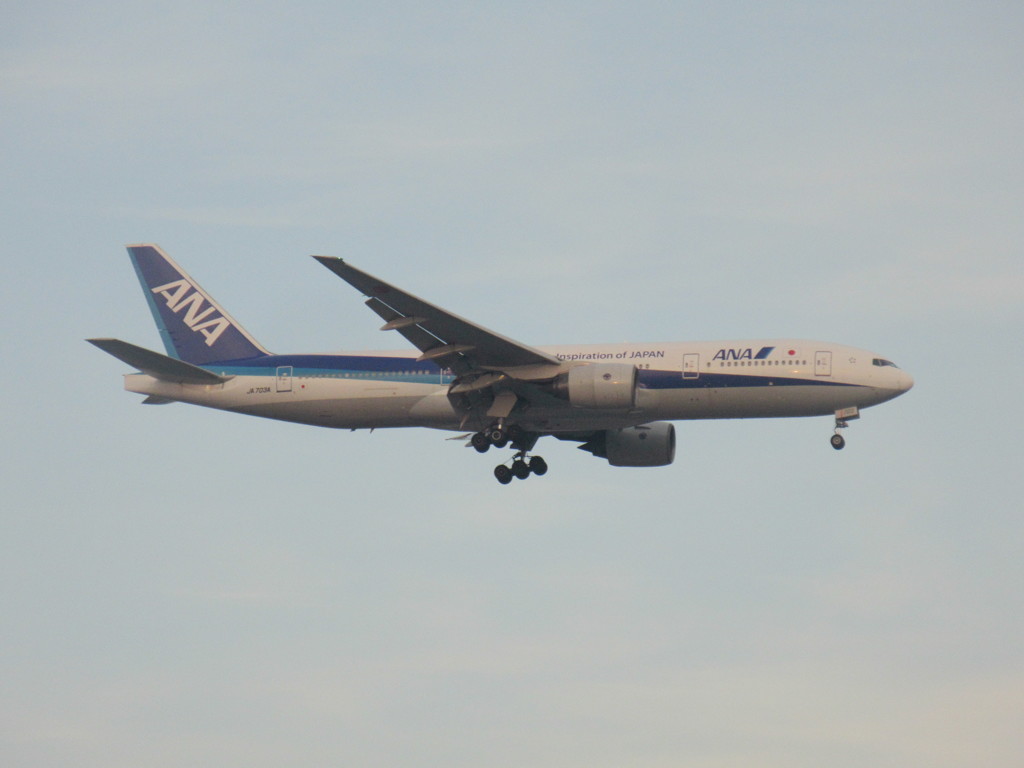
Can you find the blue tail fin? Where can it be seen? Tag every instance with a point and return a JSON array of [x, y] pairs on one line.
[[193, 326]]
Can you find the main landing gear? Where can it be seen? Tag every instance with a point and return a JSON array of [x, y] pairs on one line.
[[843, 418], [521, 468], [522, 465]]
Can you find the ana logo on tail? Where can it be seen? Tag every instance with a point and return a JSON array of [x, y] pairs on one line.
[[177, 296]]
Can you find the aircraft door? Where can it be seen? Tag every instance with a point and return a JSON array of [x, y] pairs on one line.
[[823, 363], [691, 365], [284, 378]]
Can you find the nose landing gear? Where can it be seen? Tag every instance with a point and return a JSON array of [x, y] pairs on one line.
[[843, 417]]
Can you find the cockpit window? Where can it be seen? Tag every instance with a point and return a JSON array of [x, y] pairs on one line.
[[882, 363]]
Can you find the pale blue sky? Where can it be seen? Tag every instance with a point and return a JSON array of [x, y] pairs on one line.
[[188, 587]]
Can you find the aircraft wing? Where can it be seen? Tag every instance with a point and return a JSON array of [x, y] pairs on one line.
[[453, 342]]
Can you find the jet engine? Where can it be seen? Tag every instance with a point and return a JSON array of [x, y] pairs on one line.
[[646, 445], [599, 385]]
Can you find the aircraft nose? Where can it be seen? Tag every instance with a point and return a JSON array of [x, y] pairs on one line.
[[905, 381]]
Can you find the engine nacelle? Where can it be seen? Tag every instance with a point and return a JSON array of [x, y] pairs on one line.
[[648, 445], [599, 385]]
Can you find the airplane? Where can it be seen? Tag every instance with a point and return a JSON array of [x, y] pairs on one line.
[[616, 400]]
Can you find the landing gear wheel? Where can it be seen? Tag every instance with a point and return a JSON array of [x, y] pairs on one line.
[[843, 418], [538, 466], [503, 474], [498, 436], [480, 442], [520, 469]]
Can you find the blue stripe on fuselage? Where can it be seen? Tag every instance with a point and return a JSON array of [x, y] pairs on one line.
[[409, 370], [652, 379], [401, 368]]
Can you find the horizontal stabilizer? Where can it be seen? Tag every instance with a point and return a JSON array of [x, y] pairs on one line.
[[156, 365]]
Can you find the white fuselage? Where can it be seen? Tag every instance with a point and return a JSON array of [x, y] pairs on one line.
[[680, 380]]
